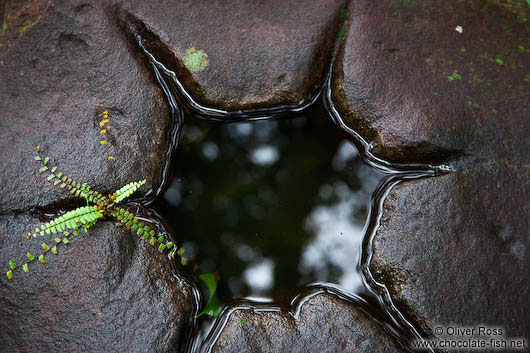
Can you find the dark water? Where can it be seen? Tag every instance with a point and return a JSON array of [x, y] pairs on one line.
[[272, 205]]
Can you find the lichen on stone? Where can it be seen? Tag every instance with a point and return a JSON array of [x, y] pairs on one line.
[[195, 60]]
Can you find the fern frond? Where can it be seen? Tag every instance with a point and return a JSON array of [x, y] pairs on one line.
[[61, 180], [127, 191], [140, 228], [80, 217], [42, 257]]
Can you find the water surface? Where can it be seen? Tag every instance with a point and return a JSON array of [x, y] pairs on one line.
[[273, 205]]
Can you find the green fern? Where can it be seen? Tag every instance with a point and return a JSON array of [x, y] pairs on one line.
[[98, 206]]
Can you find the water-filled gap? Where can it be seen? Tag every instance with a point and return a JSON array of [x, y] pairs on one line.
[[375, 302], [273, 205]]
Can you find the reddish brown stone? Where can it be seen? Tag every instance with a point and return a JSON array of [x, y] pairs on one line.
[[454, 250], [107, 291], [260, 54], [325, 324], [443, 80], [53, 80], [420, 90]]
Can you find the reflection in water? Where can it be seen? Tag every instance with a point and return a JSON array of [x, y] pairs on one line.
[[273, 205]]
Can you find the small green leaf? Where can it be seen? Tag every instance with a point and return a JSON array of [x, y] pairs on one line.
[[180, 251], [162, 247], [54, 169], [213, 307], [41, 259], [54, 250], [210, 279], [43, 169], [153, 241], [37, 158], [169, 244], [12, 265], [37, 149], [9, 274], [25, 268], [45, 161], [30, 256], [161, 239], [45, 247], [57, 240], [66, 241]]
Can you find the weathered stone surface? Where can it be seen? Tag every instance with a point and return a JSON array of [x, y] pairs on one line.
[[107, 291], [54, 75], [259, 54], [454, 250], [420, 90], [325, 324], [430, 81]]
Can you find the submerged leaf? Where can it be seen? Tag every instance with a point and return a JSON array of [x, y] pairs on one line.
[[211, 279], [213, 306]]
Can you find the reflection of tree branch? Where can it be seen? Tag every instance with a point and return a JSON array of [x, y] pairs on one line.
[[11, 13]]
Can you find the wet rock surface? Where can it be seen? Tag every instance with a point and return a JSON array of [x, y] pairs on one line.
[[429, 81], [453, 250], [107, 291], [236, 54], [439, 81], [422, 81], [325, 324], [54, 77]]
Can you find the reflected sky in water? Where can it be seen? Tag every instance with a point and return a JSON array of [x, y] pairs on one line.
[[273, 205]]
